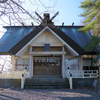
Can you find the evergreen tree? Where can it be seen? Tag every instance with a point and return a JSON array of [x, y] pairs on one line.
[[92, 20]]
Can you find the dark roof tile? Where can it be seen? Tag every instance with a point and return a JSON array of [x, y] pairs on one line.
[[17, 36]]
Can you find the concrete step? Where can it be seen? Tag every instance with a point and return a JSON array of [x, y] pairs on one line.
[[46, 82], [46, 87], [47, 76]]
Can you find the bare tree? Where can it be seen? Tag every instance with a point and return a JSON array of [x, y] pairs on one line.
[[5, 63], [15, 11], [3, 1]]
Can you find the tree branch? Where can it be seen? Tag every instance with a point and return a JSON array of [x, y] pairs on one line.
[[3, 1]]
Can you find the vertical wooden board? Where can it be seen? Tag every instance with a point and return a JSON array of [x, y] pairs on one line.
[[99, 75], [46, 68], [39, 70], [54, 70]]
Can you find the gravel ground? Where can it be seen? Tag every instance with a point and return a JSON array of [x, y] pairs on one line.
[[48, 94]]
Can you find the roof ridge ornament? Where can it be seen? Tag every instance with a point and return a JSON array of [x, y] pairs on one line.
[[47, 21]]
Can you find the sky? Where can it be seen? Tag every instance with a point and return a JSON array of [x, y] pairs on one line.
[[69, 10]]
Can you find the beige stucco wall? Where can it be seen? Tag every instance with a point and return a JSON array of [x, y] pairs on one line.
[[46, 38]]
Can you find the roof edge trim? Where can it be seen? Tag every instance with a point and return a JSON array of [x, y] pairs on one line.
[[30, 42], [64, 42], [54, 34]]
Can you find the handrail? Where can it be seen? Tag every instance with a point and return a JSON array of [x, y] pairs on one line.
[[91, 73], [84, 73], [5, 72], [9, 75], [24, 76], [70, 79]]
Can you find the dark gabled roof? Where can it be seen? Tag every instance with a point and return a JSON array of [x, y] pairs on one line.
[[25, 40], [17, 36], [96, 57], [69, 41], [79, 37], [12, 36], [82, 39]]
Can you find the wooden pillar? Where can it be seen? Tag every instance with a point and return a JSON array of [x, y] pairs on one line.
[[81, 63], [13, 63], [91, 62], [99, 75], [63, 63], [31, 63]]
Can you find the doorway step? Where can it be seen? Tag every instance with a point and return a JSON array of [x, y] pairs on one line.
[[47, 82]]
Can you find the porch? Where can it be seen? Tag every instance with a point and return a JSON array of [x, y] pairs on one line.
[[70, 75]]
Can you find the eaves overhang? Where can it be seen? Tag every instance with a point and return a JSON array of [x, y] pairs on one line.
[[56, 31]]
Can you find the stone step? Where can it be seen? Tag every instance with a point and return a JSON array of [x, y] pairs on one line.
[[47, 80], [39, 83], [46, 83], [47, 76], [46, 87]]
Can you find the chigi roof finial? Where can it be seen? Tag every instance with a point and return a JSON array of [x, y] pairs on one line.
[[46, 21]]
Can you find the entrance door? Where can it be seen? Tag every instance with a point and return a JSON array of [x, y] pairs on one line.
[[47, 66], [54, 69]]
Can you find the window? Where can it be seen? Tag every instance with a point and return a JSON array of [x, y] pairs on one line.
[[47, 47], [72, 64], [21, 64]]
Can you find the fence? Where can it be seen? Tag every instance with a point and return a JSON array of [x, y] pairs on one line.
[[12, 75], [84, 73]]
